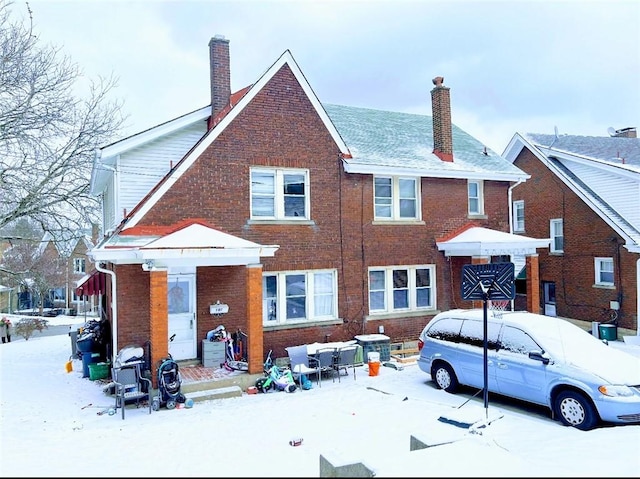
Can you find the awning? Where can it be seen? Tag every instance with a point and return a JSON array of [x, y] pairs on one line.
[[92, 284], [477, 241]]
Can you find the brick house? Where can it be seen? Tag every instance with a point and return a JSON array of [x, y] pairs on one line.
[[584, 194], [299, 221]]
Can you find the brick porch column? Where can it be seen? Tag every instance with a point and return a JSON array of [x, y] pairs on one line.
[[254, 318], [478, 260], [158, 319], [533, 284]]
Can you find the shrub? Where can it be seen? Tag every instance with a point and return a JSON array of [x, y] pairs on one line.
[[26, 326]]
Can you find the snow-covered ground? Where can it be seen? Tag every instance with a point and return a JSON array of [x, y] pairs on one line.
[[50, 427]]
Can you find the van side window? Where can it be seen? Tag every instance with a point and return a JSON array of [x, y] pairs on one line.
[[472, 333], [517, 341], [446, 329]]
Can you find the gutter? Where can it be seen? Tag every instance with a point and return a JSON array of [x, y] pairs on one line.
[[114, 309]]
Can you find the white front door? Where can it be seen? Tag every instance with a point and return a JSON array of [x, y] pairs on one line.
[[181, 302]]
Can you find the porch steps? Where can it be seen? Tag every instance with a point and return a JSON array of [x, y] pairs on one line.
[[233, 386]]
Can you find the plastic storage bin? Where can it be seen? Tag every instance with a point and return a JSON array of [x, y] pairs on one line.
[[98, 371], [608, 332]]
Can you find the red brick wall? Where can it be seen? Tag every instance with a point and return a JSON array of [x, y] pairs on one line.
[[586, 236], [276, 132]]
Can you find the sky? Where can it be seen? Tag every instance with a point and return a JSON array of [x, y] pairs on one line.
[[512, 65], [50, 428]]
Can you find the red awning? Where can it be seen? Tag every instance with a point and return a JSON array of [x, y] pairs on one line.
[[93, 284]]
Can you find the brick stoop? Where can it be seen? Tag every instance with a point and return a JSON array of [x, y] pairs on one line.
[[201, 384]]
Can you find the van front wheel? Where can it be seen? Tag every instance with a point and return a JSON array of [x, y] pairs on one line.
[[574, 409], [444, 377]]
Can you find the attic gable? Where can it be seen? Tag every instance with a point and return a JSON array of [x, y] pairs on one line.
[[286, 59]]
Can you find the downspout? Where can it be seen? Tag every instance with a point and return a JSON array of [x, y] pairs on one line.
[[510, 197], [510, 200], [114, 310]]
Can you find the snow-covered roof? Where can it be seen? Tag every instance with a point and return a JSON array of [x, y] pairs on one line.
[[603, 171]]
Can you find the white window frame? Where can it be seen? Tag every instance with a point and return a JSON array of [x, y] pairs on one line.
[[389, 288], [275, 308], [394, 202], [279, 195], [518, 216], [556, 231], [478, 197], [604, 266], [79, 265]]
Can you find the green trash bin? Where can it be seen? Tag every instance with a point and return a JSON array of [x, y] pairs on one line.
[[608, 332]]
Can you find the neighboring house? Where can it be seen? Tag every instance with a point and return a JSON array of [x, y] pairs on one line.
[[64, 263], [584, 193], [293, 220]]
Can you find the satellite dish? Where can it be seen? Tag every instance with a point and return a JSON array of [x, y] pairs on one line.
[[611, 131]]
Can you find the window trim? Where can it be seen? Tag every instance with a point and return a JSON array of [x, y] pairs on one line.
[[389, 289], [279, 194], [76, 262], [554, 222], [480, 197], [599, 262], [518, 205], [396, 199], [310, 298]]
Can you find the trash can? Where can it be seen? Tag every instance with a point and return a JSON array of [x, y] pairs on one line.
[[87, 359], [609, 332], [373, 360], [74, 338]]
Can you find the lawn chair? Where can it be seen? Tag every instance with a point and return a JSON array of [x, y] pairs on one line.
[[131, 385], [301, 363], [325, 358], [345, 359]]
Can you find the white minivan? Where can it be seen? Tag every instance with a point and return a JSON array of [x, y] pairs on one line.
[[540, 359]]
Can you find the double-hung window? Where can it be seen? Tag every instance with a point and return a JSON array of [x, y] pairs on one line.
[[79, 265], [401, 288], [475, 197], [298, 296], [396, 198], [557, 236], [604, 272], [518, 216], [279, 194]]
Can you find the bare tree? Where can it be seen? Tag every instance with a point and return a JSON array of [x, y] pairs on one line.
[[36, 266], [48, 136]]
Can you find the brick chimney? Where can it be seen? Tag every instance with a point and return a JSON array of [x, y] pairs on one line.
[[220, 74], [442, 131], [629, 132]]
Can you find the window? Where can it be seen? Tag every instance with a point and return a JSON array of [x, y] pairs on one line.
[[557, 237], [517, 341], [279, 194], [518, 215], [79, 265], [404, 288], [604, 271], [395, 198], [294, 297], [475, 195]]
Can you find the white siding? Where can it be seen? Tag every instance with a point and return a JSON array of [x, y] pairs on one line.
[[623, 194], [108, 208], [140, 169]]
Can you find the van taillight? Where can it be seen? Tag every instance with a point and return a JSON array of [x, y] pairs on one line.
[[420, 344]]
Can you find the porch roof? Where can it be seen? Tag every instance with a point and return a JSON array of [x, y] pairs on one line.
[[192, 245], [478, 241]]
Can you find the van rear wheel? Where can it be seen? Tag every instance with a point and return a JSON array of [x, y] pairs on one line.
[[444, 377]]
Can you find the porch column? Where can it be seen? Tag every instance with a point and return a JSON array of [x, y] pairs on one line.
[[254, 318], [158, 318], [479, 260], [533, 283]]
